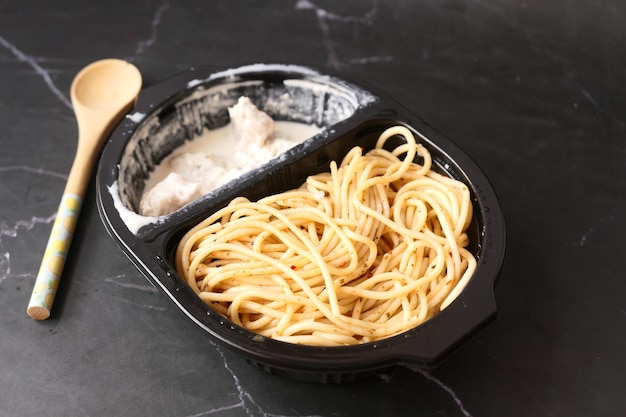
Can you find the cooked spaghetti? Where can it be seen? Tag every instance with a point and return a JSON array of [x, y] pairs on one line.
[[368, 250]]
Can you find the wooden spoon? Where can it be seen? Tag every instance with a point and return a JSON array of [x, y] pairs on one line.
[[101, 93]]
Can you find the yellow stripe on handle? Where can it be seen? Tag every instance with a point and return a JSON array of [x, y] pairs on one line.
[[53, 261]]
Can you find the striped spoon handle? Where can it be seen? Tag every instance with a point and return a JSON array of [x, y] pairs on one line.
[[49, 275]]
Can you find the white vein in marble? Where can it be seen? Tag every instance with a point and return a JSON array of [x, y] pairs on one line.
[[32, 62], [446, 388], [324, 16], [154, 24]]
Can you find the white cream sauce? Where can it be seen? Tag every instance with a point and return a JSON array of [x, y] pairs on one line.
[[213, 159], [221, 143]]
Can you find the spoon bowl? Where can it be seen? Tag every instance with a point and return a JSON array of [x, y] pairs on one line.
[[101, 93], [106, 84]]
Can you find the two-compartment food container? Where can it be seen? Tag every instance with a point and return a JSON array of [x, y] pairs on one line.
[[348, 114]]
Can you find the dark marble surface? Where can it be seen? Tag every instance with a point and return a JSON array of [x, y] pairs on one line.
[[534, 91]]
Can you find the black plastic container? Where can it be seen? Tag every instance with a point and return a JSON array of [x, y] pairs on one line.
[[168, 114]]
